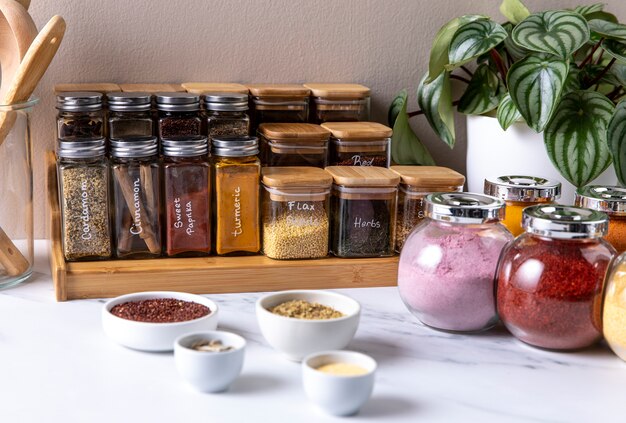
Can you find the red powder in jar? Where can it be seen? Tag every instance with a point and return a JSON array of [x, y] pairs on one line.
[[160, 310]]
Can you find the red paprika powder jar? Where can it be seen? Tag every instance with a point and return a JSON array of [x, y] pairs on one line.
[[550, 279]]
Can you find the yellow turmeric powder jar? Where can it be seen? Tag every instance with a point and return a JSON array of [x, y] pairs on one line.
[[519, 192], [612, 201]]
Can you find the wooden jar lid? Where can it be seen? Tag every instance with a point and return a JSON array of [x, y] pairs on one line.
[[296, 176], [294, 132], [214, 87], [358, 130], [278, 90], [363, 176], [429, 176], [99, 87], [338, 90], [151, 88]]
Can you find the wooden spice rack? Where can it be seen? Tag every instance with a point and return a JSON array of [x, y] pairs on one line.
[[204, 275]]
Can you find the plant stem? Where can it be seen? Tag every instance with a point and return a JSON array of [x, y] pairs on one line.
[[459, 78], [421, 112], [602, 73], [600, 57], [590, 55], [467, 71], [499, 64], [615, 93]]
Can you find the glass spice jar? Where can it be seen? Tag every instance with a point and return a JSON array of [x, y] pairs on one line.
[[83, 175], [136, 197], [612, 201], [448, 263], [295, 212], [519, 192], [179, 114], [186, 182], [278, 103], [416, 182], [363, 211], [339, 103], [236, 178], [226, 114], [359, 144], [614, 307], [293, 144], [129, 115], [550, 279], [80, 116]]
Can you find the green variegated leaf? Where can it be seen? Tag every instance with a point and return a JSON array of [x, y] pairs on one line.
[[603, 16], [435, 100], [576, 138], [395, 107], [535, 84], [441, 44], [606, 29], [483, 92], [514, 50], [589, 8], [514, 10], [406, 148], [618, 70], [615, 49], [507, 113], [572, 82], [555, 32], [473, 39], [616, 135]]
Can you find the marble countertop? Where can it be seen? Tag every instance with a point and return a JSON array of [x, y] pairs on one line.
[[56, 364]]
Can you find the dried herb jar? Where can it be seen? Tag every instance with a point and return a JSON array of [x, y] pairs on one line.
[[179, 114], [339, 102], [363, 211], [136, 203], [612, 201], [83, 174], [226, 114], [359, 144], [416, 182], [550, 279], [80, 116], [236, 177], [129, 115], [295, 212], [448, 263], [187, 190], [519, 192], [293, 144], [278, 103]]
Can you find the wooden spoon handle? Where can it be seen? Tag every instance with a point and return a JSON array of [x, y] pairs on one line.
[[11, 258]]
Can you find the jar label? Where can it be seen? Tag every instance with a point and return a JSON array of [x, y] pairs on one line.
[[184, 218], [85, 214], [136, 227]]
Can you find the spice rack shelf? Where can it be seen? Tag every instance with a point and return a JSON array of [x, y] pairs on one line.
[[203, 275]]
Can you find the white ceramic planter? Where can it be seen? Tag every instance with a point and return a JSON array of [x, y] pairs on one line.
[[518, 150]]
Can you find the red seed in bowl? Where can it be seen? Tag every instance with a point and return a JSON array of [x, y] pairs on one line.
[[160, 310]]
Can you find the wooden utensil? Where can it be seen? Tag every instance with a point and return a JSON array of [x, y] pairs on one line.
[[24, 3]]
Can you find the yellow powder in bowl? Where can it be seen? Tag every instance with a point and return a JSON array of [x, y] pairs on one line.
[[342, 369]]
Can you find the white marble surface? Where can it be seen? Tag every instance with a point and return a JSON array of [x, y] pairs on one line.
[[56, 365]]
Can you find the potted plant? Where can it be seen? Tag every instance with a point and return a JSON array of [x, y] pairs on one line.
[[560, 74]]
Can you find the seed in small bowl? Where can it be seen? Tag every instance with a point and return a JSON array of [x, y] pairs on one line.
[[160, 310], [214, 345], [300, 309]]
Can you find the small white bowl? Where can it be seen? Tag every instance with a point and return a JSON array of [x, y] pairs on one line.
[[297, 338], [209, 371], [338, 395], [154, 336]]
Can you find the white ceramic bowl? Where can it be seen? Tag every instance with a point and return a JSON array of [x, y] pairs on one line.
[[297, 338], [154, 336], [209, 371], [338, 395]]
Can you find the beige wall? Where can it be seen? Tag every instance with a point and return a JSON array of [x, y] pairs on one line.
[[383, 44]]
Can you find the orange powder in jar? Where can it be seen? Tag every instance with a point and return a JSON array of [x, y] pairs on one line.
[[612, 201]]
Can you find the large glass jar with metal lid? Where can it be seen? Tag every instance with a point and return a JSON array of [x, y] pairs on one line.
[[339, 102], [363, 211], [448, 263], [179, 114], [83, 176], [278, 103], [236, 178], [129, 115], [614, 307], [136, 197], [80, 116], [295, 212], [359, 144], [612, 201], [226, 114], [416, 182], [293, 144], [519, 192], [186, 185], [550, 279]]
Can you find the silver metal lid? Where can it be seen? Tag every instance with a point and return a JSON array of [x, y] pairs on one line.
[[178, 102], [185, 146], [134, 147], [523, 188], [235, 146], [463, 207], [609, 199], [565, 222], [81, 149], [79, 101], [228, 102], [129, 102]]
